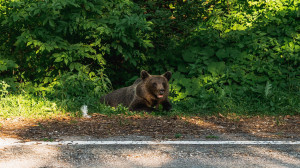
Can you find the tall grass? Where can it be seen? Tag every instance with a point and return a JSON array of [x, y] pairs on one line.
[[27, 106], [68, 101]]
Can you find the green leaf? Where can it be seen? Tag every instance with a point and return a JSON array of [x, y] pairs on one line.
[[207, 52], [182, 68], [66, 61], [188, 56], [222, 53], [216, 68], [52, 24], [58, 59], [291, 44]]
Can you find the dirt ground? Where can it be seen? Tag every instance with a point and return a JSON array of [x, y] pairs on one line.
[[158, 127]]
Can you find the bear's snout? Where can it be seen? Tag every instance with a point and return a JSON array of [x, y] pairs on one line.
[[161, 91]]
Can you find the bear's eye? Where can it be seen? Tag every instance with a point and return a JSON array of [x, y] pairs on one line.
[[154, 84]]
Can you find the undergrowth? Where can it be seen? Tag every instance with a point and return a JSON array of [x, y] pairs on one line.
[[226, 57], [28, 106], [62, 99]]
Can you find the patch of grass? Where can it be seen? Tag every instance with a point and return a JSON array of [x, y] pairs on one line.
[[178, 135], [28, 106], [47, 139], [278, 103], [37, 105], [107, 110], [31, 106]]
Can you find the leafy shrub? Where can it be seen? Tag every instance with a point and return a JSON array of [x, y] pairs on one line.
[[48, 38], [3, 89], [233, 56], [7, 68], [72, 85], [71, 91]]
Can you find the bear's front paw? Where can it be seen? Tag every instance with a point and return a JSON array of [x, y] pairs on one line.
[[167, 106]]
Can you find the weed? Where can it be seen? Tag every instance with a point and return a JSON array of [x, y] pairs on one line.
[[41, 126], [279, 121], [47, 139], [178, 135]]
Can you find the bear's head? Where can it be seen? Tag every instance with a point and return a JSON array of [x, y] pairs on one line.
[[157, 85]]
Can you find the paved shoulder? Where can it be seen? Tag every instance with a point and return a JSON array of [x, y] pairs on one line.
[[150, 153]]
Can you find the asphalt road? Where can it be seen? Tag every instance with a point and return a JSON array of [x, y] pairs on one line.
[[123, 156]]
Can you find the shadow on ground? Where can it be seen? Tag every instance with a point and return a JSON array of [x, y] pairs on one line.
[[157, 127], [148, 127]]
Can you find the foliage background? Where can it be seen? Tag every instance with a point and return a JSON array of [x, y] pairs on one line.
[[228, 56]]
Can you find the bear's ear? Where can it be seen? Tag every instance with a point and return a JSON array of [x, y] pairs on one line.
[[168, 75], [144, 74]]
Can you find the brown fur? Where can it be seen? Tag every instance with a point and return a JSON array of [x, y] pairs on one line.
[[146, 93]]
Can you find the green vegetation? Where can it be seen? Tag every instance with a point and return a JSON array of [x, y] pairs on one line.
[[227, 56], [28, 106], [47, 140], [178, 136]]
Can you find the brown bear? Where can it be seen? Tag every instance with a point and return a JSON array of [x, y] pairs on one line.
[[145, 94]]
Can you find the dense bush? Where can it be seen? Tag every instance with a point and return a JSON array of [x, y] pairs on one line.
[[240, 56], [48, 38], [225, 55]]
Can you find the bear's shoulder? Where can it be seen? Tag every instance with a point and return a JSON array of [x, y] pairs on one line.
[[137, 81]]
